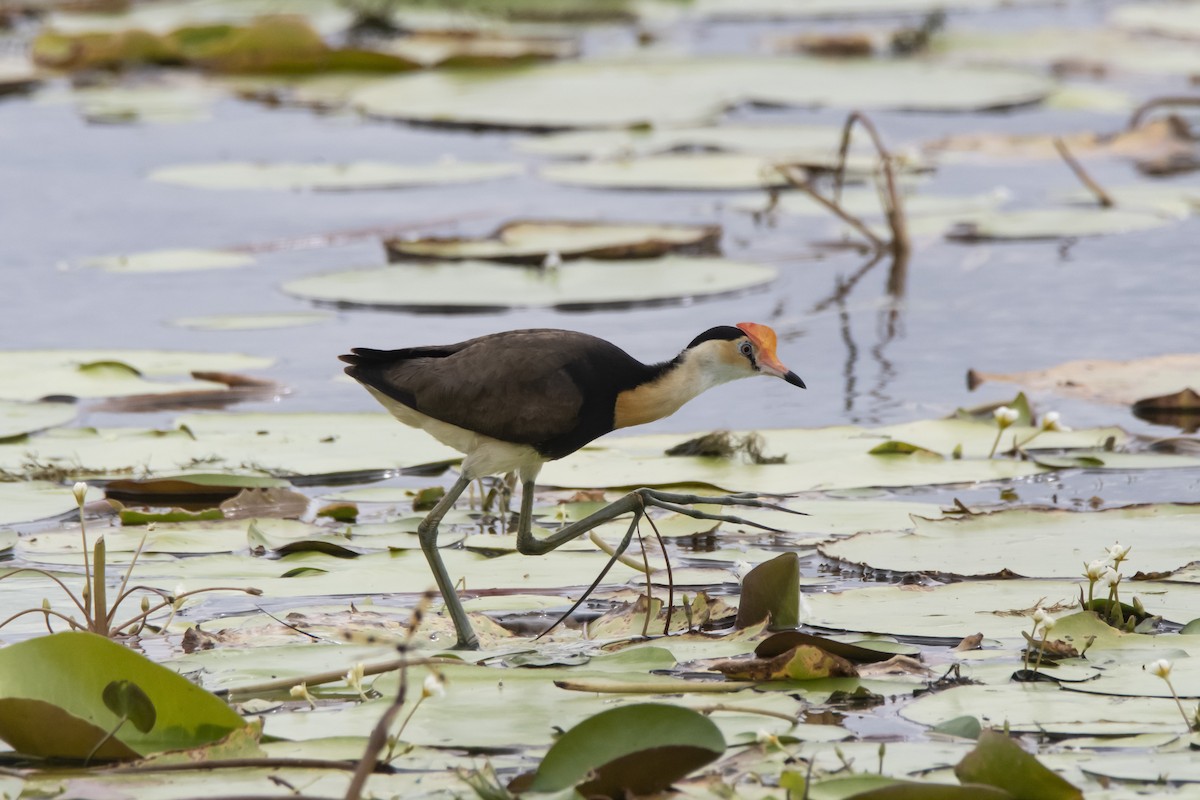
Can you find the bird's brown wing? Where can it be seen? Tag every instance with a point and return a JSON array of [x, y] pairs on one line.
[[518, 386]]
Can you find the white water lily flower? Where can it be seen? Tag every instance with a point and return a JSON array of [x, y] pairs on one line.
[[354, 677], [1006, 416], [1094, 570], [552, 260], [1050, 422], [1047, 623], [300, 692], [1039, 615], [1110, 577], [1161, 668], [434, 686], [80, 491], [1118, 553]]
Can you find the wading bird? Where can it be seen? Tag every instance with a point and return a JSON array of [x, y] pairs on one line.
[[517, 399]]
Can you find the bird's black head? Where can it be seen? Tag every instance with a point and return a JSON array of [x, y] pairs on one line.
[[727, 332]]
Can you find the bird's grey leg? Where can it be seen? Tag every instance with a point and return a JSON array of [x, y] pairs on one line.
[[427, 532], [636, 502]]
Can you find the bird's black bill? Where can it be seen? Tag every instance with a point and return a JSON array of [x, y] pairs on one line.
[[794, 380]]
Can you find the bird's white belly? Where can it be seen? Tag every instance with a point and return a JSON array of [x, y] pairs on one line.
[[485, 455]]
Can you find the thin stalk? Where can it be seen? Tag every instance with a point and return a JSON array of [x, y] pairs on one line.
[[670, 577], [649, 589], [99, 621], [1103, 197]]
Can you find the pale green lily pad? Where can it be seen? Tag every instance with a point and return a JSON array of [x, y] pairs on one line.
[[329, 177], [770, 141], [171, 261], [1057, 223], [1180, 19], [998, 609], [1133, 680], [17, 75], [695, 171], [32, 500], [253, 322], [865, 203], [686, 91], [578, 284], [531, 241], [817, 459], [325, 16], [1156, 768], [1034, 543], [33, 374], [17, 418], [288, 444], [1170, 199], [1046, 47], [838, 9], [1044, 708], [174, 102]]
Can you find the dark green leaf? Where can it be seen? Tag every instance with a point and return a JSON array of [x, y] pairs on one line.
[[1000, 762], [966, 726], [126, 699], [635, 749], [771, 589]]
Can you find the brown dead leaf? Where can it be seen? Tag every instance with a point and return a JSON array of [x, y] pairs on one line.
[[896, 665], [801, 663], [1158, 147], [258, 503], [971, 642], [241, 389], [1120, 382], [1180, 408]]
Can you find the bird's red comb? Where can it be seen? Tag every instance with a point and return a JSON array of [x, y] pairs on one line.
[[763, 335]]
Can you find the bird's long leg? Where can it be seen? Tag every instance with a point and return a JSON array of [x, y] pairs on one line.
[[427, 531], [636, 503]]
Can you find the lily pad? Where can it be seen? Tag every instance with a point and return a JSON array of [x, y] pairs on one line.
[[253, 322], [32, 500], [1180, 20], [17, 418], [33, 374], [694, 171], [350, 176], [171, 261], [1123, 382], [1050, 47], [686, 91], [579, 284], [531, 241], [1056, 223], [1035, 543]]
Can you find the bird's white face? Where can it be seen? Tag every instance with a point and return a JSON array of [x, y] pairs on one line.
[[749, 355]]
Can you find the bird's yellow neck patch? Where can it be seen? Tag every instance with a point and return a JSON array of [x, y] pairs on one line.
[[664, 395]]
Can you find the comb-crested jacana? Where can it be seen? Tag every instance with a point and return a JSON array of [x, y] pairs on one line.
[[517, 399]]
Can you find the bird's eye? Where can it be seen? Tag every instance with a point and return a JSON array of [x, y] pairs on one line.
[[745, 349]]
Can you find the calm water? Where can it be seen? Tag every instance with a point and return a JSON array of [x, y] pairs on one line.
[[70, 190]]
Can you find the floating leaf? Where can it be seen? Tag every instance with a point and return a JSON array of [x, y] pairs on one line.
[[999, 761], [576, 285], [531, 241], [18, 418], [684, 91], [862, 653], [636, 749], [1035, 543], [171, 261], [328, 177], [804, 662], [253, 322], [1123, 382], [1055, 223], [771, 590], [52, 697]]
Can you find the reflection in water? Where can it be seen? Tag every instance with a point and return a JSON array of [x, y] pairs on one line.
[[888, 328]]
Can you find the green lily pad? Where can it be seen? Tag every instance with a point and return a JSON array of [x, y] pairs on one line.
[[638, 749], [836, 9], [578, 284], [32, 500], [694, 171], [1123, 382], [685, 91], [1034, 543], [1000, 762], [1046, 47], [253, 322], [1180, 20], [531, 241], [1056, 223], [18, 418], [64, 677], [171, 261], [33, 374], [329, 177]]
